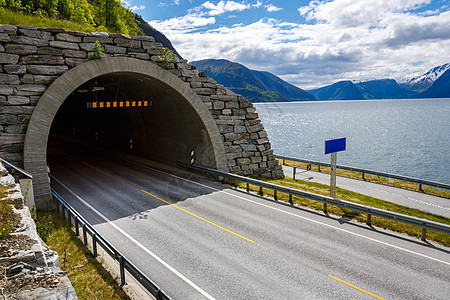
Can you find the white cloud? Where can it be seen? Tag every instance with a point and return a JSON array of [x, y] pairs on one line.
[[224, 6], [272, 8], [136, 8], [366, 40]]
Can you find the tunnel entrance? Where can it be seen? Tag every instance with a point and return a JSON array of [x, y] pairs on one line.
[[127, 105], [136, 114]]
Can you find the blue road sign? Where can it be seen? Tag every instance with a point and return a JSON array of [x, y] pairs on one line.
[[336, 145]]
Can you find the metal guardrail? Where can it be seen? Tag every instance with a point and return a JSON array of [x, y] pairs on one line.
[[421, 182], [423, 223], [22, 171], [97, 239]]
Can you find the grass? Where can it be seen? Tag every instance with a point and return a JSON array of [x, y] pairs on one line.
[[343, 194], [87, 275], [7, 216], [376, 179], [8, 17]]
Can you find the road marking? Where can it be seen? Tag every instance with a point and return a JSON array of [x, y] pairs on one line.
[[354, 286], [203, 219], [184, 278], [298, 216]]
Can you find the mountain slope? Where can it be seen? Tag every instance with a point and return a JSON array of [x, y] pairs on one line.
[[257, 86], [384, 89], [440, 88], [342, 90], [420, 83]]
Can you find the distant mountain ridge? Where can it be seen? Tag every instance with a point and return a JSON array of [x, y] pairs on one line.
[[257, 86], [440, 88], [342, 90], [421, 82]]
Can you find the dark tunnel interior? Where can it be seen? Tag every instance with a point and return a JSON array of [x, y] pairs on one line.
[[140, 115]]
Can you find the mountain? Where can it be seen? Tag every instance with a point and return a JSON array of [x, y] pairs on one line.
[[384, 89], [342, 90], [150, 31], [440, 88], [257, 86], [421, 82]]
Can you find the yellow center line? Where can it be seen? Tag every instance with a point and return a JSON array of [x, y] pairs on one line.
[[203, 219], [100, 170], [354, 286]]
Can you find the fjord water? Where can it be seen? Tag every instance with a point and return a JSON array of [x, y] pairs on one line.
[[409, 137]]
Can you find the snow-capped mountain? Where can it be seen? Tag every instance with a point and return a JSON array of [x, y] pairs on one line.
[[421, 82]]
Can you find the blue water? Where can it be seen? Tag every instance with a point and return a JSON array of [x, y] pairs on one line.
[[407, 137]]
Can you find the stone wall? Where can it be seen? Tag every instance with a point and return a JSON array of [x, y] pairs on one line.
[[31, 59], [29, 269]]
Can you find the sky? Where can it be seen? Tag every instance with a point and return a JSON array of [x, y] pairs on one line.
[[308, 43]]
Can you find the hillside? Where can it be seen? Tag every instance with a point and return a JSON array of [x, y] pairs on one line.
[[342, 90], [440, 88], [421, 82], [257, 86], [384, 89]]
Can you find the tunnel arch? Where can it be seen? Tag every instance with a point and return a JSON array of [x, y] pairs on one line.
[[36, 138]]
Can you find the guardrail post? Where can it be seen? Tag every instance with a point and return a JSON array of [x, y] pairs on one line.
[[94, 244], [290, 198], [295, 171], [318, 168], [69, 218], [369, 219], [420, 187], [283, 162], [260, 191], [424, 234], [363, 176], [77, 224], [122, 271], [84, 234], [63, 213], [248, 188], [325, 208], [275, 196]]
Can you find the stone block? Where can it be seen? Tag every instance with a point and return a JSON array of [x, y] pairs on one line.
[[49, 51], [8, 119], [115, 49], [144, 38], [190, 73], [64, 45], [256, 160], [196, 85], [254, 136], [21, 49], [251, 116], [46, 70], [262, 134], [243, 161], [233, 155], [77, 33], [9, 29], [31, 89], [225, 128], [152, 46], [255, 128], [6, 90], [73, 62], [15, 69], [135, 50], [3, 102], [86, 46], [223, 97], [74, 53], [262, 141], [34, 33], [240, 129], [100, 39], [248, 147], [65, 37], [4, 38], [232, 104], [43, 60], [2, 49], [218, 105], [128, 43], [7, 58], [25, 40], [205, 91], [16, 129], [38, 79], [9, 79], [143, 56], [208, 105], [226, 112]]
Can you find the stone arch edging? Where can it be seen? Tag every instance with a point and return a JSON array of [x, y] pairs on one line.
[[36, 138]]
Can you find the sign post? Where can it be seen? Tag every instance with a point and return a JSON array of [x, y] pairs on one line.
[[333, 146]]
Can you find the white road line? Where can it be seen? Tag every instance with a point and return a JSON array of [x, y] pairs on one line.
[[298, 216], [136, 242]]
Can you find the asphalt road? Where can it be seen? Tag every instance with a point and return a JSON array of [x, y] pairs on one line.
[[426, 202], [198, 239]]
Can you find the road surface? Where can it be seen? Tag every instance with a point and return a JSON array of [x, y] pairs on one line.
[[199, 239]]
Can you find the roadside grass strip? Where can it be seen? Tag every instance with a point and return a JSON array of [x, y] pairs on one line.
[[347, 195]]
